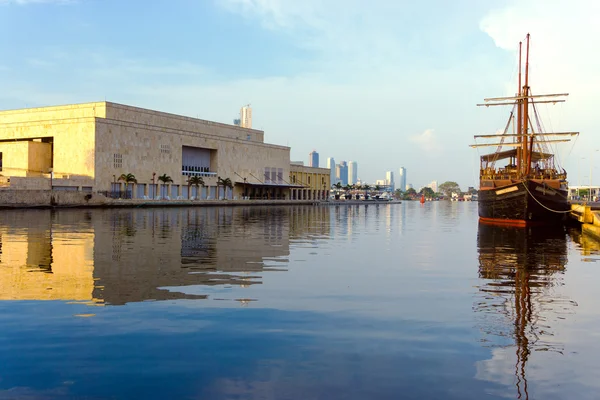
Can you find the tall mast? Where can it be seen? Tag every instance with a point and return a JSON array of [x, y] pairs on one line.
[[527, 157], [519, 116]]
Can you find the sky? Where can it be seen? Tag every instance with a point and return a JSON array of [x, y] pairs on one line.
[[386, 83]]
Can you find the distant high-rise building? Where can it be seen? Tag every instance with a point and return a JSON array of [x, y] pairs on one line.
[[352, 172], [332, 173], [313, 159], [402, 178], [246, 117], [342, 172], [389, 179], [434, 186], [409, 186]]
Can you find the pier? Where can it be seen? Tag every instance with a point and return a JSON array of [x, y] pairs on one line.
[[588, 215]]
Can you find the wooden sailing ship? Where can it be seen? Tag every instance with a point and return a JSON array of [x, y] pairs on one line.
[[522, 185]]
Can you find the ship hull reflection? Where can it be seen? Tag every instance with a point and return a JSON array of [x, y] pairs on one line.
[[518, 268]]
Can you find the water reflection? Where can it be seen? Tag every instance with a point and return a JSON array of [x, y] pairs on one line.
[[589, 247], [517, 304], [132, 255]]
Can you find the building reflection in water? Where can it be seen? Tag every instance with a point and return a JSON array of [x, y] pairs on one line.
[[517, 303], [589, 247], [118, 256]]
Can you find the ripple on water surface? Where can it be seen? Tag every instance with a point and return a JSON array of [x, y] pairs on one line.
[[361, 301]]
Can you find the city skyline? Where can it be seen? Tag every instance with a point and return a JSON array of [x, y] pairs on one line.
[[330, 64]]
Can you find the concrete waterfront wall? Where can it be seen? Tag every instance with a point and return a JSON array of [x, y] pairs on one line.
[[61, 198], [49, 198]]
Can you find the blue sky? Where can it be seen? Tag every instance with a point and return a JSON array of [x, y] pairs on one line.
[[385, 83]]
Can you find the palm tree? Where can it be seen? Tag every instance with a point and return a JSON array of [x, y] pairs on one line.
[[128, 178], [165, 179], [347, 189], [226, 183], [338, 187], [366, 188], [195, 181]]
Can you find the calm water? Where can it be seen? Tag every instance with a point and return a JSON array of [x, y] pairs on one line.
[[302, 302]]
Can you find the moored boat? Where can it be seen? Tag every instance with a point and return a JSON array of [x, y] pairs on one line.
[[523, 185]]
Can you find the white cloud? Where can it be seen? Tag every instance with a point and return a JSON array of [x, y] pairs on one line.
[[427, 142], [563, 59], [39, 63]]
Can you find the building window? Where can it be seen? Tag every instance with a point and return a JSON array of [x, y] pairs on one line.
[[280, 175], [165, 149], [267, 174], [118, 160], [309, 180]]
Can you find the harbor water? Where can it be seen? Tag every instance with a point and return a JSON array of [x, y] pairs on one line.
[[377, 301]]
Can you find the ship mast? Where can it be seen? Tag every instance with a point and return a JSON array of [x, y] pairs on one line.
[[527, 154], [519, 117], [524, 140]]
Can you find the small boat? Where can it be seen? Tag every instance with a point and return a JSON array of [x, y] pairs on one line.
[[523, 185]]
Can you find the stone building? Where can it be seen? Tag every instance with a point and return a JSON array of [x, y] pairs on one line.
[[314, 182], [87, 147]]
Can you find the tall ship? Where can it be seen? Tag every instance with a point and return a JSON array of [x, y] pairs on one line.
[[520, 183]]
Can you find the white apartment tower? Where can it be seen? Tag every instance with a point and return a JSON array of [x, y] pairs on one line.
[[246, 117], [434, 186], [352, 172], [389, 179]]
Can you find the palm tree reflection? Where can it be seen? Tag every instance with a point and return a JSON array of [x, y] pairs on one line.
[[520, 269]]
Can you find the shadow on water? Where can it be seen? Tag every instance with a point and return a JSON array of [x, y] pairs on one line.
[[132, 255], [517, 305]]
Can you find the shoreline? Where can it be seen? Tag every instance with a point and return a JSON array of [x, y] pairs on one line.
[[45, 199]]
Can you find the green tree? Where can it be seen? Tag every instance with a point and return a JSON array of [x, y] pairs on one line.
[[338, 187], [427, 192], [398, 194], [127, 178], [226, 183], [165, 179], [410, 193], [448, 188], [195, 181], [366, 188]]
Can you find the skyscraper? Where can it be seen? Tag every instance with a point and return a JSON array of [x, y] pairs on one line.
[[352, 172], [389, 180], [402, 178], [343, 172], [331, 166], [246, 117], [313, 159]]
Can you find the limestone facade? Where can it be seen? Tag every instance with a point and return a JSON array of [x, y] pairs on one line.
[[89, 146]]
